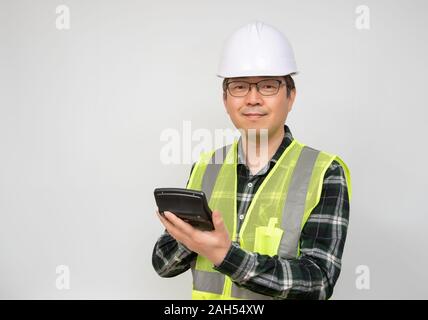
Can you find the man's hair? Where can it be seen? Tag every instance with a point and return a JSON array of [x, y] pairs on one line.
[[289, 83]]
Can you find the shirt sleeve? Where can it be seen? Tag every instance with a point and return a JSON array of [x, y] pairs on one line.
[[170, 257], [314, 273]]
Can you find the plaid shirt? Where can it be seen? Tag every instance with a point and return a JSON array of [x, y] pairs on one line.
[[310, 276]]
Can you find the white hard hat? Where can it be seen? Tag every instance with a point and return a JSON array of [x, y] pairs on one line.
[[256, 49]]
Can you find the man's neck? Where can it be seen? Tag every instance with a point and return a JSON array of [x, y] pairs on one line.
[[259, 149]]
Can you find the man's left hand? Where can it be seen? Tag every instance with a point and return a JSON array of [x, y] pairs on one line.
[[213, 245]]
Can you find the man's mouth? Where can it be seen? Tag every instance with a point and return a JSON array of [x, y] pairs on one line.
[[253, 115]]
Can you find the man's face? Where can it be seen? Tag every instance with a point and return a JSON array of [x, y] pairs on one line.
[[255, 111]]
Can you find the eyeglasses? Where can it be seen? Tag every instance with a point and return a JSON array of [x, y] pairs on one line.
[[267, 87]]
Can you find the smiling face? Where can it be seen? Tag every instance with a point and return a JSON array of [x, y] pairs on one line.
[[255, 111]]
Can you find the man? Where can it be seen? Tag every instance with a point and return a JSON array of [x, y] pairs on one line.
[[280, 225]]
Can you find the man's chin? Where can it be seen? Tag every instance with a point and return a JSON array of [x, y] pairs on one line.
[[254, 130]]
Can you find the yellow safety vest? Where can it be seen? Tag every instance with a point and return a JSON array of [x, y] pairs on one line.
[[276, 216]]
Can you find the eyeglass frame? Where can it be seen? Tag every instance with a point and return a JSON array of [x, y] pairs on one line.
[[281, 82]]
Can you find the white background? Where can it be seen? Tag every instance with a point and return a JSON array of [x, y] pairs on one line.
[[82, 111]]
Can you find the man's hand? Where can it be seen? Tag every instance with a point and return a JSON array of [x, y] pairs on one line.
[[213, 245]]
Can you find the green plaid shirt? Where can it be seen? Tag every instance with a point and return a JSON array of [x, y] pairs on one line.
[[310, 276]]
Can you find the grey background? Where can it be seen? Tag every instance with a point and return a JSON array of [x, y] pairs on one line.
[[82, 110]]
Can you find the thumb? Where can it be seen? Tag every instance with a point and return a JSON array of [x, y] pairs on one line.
[[218, 221]]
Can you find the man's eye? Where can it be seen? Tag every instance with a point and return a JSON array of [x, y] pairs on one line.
[[238, 87]]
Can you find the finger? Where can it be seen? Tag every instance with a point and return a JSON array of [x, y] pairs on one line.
[[161, 218], [159, 214], [179, 223], [175, 232], [168, 225], [218, 222]]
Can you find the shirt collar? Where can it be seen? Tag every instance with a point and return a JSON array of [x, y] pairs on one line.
[[286, 141]]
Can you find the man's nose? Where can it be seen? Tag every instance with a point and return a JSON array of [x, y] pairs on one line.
[[254, 96]]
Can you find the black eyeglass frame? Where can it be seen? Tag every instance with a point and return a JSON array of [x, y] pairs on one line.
[[280, 82]]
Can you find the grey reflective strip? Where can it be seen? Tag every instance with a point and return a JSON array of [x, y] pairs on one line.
[[242, 293], [295, 203], [212, 170], [212, 282], [206, 281]]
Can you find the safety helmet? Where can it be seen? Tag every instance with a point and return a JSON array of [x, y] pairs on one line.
[[256, 49]]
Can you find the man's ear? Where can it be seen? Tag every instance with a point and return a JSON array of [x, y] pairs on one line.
[[291, 99], [224, 101]]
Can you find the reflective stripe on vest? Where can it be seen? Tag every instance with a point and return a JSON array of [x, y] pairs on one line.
[[295, 203], [213, 169], [208, 281]]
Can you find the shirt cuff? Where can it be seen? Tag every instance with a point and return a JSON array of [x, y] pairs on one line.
[[183, 249], [235, 263]]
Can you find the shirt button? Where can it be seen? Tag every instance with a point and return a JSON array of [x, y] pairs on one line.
[[241, 216], [250, 185]]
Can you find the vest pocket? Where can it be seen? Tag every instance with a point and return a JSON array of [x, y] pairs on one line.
[[267, 239]]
